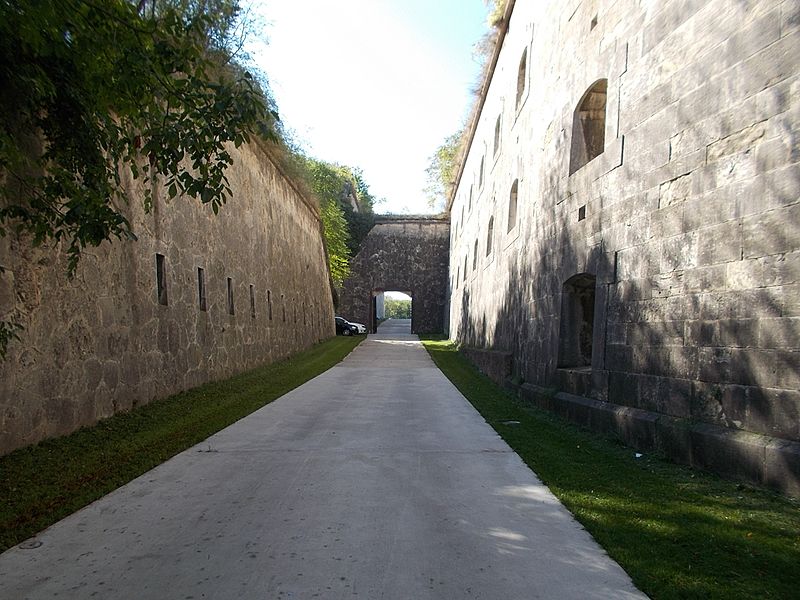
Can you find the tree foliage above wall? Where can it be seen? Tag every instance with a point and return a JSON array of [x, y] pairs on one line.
[[442, 171], [443, 165], [89, 87], [92, 88], [346, 207]]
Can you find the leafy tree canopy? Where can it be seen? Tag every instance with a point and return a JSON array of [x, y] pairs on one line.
[[338, 188], [442, 170], [396, 308], [89, 87]]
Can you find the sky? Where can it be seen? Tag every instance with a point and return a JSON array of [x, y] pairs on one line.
[[373, 84]]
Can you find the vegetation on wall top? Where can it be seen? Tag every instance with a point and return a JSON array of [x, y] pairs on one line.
[[91, 87], [346, 208], [443, 165]]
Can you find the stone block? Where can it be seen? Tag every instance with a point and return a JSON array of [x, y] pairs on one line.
[[757, 272], [789, 300], [602, 418], [705, 278], [735, 333], [679, 252], [735, 454], [773, 412], [674, 191], [673, 439], [782, 467], [618, 357], [773, 154], [719, 244], [537, 396], [790, 17], [494, 364], [779, 333], [734, 406], [633, 263], [649, 392], [769, 66], [575, 408], [773, 101], [623, 388], [636, 427], [575, 381], [770, 232], [674, 397], [760, 33], [667, 222], [736, 143]]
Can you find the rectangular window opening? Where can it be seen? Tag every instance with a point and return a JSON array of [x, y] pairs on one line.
[[269, 305], [230, 297], [252, 301], [582, 213], [201, 289], [161, 279]]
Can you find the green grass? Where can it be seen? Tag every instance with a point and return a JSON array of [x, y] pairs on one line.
[[43, 483], [679, 533]]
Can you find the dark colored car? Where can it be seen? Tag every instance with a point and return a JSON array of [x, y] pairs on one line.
[[345, 327]]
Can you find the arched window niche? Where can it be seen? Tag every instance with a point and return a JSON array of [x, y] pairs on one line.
[[522, 75], [512, 206], [497, 127], [589, 126]]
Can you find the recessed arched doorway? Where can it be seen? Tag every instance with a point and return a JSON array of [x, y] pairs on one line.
[[394, 305]]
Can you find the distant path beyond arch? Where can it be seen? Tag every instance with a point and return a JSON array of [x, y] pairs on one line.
[[395, 327]]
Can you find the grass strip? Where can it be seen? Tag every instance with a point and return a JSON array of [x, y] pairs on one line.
[[44, 483], [679, 533]]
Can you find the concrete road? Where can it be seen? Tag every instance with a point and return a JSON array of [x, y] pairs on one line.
[[375, 480], [395, 327]]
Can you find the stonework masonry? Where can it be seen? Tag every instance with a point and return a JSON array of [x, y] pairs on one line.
[[197, 298], [626, 224], [405, 254]]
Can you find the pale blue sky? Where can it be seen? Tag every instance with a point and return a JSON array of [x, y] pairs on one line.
[[376, 84]]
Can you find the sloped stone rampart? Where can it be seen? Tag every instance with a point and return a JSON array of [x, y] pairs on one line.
[[102, 342]]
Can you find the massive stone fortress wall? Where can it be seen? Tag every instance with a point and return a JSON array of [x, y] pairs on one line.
[[405, 254], [626, 223], [198, 297]]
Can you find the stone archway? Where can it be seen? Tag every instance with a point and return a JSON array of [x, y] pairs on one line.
[[401, 253]]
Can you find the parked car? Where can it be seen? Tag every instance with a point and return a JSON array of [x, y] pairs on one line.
[[361, 327], [345, 327]]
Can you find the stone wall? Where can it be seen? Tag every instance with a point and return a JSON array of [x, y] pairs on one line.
[[662, 273], [106, 340], [404, 254]]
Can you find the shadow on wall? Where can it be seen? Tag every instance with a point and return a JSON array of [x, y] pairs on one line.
[[693, 337]]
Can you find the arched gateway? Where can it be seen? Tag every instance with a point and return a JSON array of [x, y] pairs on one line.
[[409, 253]]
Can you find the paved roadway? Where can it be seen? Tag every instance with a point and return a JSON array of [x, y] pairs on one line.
[[375, 480]]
